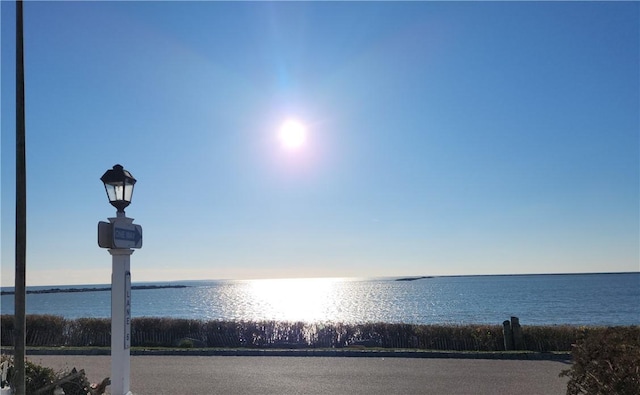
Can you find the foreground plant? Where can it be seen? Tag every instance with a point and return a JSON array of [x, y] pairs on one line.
[[605, 362], [40, 380], [4, 372]]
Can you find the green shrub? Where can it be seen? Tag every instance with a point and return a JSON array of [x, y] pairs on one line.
[[186, 343], [605, 361], [37, 376]]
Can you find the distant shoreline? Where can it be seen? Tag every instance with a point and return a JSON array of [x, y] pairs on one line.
[[74, 290], [412, 278], [105, 287]]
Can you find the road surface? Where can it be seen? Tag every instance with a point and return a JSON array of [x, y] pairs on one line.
[[157, 375]]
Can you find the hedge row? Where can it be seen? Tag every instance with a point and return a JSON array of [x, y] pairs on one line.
[[47, 330]]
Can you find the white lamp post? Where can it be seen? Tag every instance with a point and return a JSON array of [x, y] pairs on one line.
[[120, 235]]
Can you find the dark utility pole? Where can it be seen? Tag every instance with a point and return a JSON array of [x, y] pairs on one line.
[[20, 323]]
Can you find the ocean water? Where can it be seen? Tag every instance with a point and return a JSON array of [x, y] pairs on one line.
[[575, 299]]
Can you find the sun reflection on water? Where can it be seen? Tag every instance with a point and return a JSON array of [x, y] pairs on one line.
[[307, 300], [314, 300]]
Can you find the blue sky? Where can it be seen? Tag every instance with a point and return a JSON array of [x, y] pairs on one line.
[[442, 138]]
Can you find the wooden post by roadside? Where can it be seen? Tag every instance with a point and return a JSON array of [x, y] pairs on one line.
[[518, 344], [21, 216], [507, 335]]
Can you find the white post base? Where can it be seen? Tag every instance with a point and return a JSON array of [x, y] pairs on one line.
[[120, 321]]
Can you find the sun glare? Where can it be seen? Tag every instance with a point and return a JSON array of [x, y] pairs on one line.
[[295, 299], [292, 135]]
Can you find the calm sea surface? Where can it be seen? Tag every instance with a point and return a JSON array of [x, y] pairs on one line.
[[577, 299]]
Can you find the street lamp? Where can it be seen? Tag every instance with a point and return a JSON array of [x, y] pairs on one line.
[[120, 235], [118, 183]]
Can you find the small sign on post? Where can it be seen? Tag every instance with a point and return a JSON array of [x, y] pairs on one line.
[[119, 235], [127, 312], [105, 234], [127, 235]]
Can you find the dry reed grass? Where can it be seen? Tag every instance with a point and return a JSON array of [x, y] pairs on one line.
[[47, 330]]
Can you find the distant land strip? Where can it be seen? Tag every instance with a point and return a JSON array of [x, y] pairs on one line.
[[413, 278], [71, 290]]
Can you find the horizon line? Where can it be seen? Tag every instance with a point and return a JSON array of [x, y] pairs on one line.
[[356, 278]]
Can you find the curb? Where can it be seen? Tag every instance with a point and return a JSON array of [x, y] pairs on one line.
[[344, 353]]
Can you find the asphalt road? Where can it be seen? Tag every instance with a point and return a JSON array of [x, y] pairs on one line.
[[157, 375]]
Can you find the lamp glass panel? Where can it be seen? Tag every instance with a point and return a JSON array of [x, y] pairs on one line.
[[112, 193], [128, 192], [119, 192]]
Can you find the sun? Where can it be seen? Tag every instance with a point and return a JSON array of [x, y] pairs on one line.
[[292, 135]]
